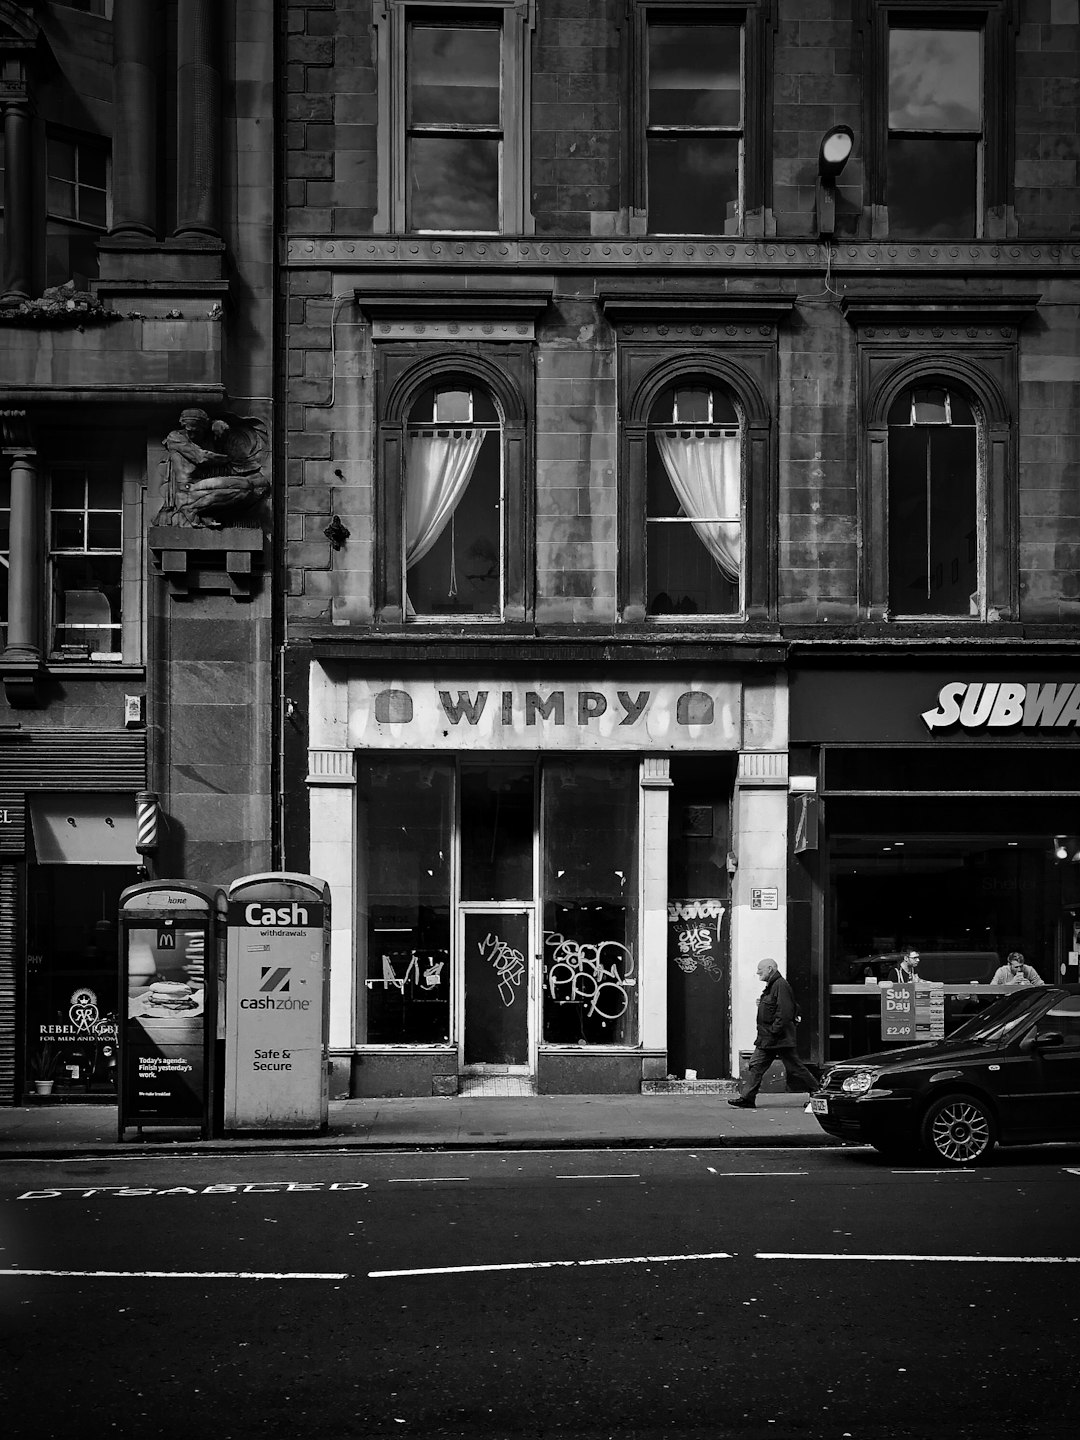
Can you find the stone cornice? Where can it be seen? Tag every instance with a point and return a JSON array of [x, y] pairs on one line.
[[893, 309], [631, 255]]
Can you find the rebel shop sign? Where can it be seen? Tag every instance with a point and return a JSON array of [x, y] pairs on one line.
[[1005, 705]]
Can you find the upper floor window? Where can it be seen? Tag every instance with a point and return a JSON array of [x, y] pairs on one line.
[[694, 127], [934, 505], [453, 117], [453, 531], [77, 200], [86, 515], [693, 516], [940, 148], [935, 142]]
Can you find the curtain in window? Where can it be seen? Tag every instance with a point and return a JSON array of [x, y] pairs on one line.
[[705, 475], [439, 467]]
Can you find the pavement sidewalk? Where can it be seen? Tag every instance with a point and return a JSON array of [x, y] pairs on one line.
[[444, 1123]]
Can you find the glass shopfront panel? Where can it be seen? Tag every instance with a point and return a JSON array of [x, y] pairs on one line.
[[590, 842], [71, 1029], [964, 881]]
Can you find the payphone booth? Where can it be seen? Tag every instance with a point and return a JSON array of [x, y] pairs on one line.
[[277, 1004], [172, 948]]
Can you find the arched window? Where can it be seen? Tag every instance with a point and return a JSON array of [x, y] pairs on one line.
[[693, 502], [935, 548], [452, 522]]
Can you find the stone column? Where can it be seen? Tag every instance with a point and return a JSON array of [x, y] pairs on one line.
[[24, 562], [198, 118], [137, 26], [18, 200], [655, 780]]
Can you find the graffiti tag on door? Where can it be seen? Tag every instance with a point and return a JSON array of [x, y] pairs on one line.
[[509, 965], [599, 976]]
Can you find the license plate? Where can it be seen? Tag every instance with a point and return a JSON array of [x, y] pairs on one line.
[[819, 1105]]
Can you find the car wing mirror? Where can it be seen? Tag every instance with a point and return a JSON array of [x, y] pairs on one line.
[[1048, 1039]]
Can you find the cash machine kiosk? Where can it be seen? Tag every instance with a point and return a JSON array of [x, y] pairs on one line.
[[277, 1004], [172, 940]]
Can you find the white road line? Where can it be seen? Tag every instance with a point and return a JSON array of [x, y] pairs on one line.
[[545, 1265], [181, 1274], [756, 1174], [920, 1259], [426, 1179], [598, 1177]]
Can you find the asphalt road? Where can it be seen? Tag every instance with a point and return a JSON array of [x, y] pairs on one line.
[[639, 1294]]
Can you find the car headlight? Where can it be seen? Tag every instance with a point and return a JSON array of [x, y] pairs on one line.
[[860, 1082]]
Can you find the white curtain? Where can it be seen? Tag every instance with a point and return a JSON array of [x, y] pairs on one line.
[[705, 474], [438, 469]]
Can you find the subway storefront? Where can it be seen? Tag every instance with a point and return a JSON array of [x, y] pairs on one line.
[[934, 809]]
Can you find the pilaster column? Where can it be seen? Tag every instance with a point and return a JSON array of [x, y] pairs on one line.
[[18, 200], [655, 781], [24, 562], [198, 118], [136, 37]]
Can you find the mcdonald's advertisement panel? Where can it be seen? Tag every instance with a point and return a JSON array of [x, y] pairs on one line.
[[275, 1072]]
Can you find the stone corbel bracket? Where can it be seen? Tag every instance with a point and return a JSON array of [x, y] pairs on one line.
[[229, 560]]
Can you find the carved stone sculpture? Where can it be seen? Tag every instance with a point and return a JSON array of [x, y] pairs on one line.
[[212, 469]]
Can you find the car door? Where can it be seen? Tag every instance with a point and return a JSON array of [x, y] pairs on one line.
[[1060, 1066]]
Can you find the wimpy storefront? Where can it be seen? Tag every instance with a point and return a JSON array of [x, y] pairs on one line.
[[542, 881]]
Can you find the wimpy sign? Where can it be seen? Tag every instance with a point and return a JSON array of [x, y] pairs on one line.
[[558, 715], [1005, 705]]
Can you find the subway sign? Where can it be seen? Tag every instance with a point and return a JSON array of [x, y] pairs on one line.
[[1005, 705]]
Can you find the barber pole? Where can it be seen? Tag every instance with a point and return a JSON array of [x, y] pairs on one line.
[[147, 810]]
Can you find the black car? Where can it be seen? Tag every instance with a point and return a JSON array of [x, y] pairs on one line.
[[1010, 1075]]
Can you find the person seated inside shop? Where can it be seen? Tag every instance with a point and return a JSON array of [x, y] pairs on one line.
[[1016, 972], [907, 971]]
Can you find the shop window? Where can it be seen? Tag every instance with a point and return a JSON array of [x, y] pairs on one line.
[[497, 806], [453, 523], [405, 826], [699, 100], [86, 561], [693, 504], [77, 203], [590, 961], [942, 118], [453, 112], [934, 505]]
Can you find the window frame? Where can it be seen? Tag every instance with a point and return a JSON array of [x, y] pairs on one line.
[[505, 378], [758, 21], [995, 19], [745, 364], [516, 21], [128, 472]]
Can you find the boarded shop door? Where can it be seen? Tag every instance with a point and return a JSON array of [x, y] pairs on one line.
[[496, 949]]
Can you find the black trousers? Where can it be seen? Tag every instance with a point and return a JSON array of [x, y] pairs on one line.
[[798, 1076]]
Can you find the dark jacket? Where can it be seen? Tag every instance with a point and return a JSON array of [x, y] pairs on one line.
[[776, 1016]]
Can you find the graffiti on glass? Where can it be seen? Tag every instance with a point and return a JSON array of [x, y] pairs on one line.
[[392, 980], [509, 964], [599, 976]]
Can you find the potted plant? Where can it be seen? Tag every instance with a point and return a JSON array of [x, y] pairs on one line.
[[44, 1063]]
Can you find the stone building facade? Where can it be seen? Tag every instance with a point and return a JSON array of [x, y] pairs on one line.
[[679, 396], [136, 662]]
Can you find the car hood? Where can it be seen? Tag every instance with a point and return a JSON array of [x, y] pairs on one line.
[[934, 1052]]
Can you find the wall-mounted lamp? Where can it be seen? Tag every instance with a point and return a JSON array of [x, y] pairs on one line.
[[836, 146]]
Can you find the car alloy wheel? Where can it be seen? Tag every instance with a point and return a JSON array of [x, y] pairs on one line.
[[959, 1129]]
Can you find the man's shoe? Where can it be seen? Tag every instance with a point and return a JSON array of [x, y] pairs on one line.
[[744, 1102]]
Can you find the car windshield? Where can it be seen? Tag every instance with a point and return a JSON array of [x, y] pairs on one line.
[[998, 1021]]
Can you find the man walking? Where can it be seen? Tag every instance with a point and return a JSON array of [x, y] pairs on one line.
[[775, 1037]]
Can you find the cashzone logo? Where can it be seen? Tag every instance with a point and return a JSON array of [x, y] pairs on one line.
[[1005, 705]]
